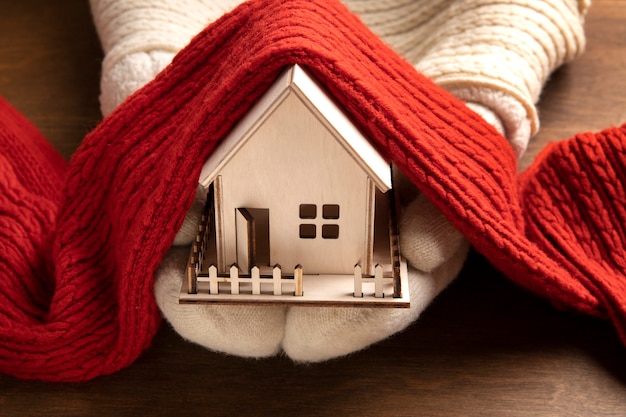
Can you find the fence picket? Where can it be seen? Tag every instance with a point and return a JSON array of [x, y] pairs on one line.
[[234, 279], [214, 285], [378, 281], [277, 280], [297, 277], [256, 280], [192, 282], [358, 281]]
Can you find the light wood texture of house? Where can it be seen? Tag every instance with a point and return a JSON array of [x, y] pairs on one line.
[[297, 197], [483, 348]]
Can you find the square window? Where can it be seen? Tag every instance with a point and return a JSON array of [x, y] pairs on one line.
[[330, 231], [308, 211], [308, 231], [330, 211]]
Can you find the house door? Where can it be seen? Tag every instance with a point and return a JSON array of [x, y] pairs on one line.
[[253, 238]]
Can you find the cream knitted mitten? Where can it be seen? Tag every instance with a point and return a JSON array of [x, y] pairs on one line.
[[495, 55], [243, 331]]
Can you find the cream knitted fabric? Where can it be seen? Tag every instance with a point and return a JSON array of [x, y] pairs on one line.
[[494, 54], [474, 48], [140, 38], [318, 334], [252, 332]]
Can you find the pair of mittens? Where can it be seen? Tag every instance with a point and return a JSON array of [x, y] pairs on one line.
[[482, 52]]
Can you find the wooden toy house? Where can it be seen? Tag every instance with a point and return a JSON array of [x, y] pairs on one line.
[[298, 209]]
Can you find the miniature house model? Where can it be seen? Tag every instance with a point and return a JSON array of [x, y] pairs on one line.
[[298, 209]]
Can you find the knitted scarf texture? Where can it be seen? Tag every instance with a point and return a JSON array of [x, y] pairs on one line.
[[80, 242]]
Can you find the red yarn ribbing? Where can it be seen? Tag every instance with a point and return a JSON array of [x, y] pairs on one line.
[[575, 206], [79, 245]]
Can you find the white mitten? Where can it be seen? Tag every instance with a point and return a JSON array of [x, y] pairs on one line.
[[318, 334], [482, 51], [485, 54], [244, 331]]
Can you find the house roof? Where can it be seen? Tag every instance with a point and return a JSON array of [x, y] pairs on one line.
[[295, 80]]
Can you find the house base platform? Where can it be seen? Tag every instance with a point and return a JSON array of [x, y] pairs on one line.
[[318, 291]]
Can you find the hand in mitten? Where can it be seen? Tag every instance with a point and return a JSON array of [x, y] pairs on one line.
[[430, 34], [484, 54]]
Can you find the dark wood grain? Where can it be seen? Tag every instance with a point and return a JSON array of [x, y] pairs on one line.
[[483, 348], [50, 61]]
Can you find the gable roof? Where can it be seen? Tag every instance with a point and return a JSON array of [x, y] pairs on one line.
[[295, 80]]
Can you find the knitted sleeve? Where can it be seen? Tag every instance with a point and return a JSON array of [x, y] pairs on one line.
[[498, 53], [140, 38], [491, 53]]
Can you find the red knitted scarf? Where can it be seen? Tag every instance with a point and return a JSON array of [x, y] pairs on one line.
[[79, 243]]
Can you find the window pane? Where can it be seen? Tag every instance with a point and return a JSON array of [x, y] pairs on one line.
[[308, 211], [330, 231], [330, 211], [307, 231]]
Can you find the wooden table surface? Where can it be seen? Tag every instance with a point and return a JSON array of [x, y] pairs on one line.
[[483, 348]]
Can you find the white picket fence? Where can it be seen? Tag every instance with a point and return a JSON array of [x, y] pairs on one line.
[[255, 279], [378, 280]]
